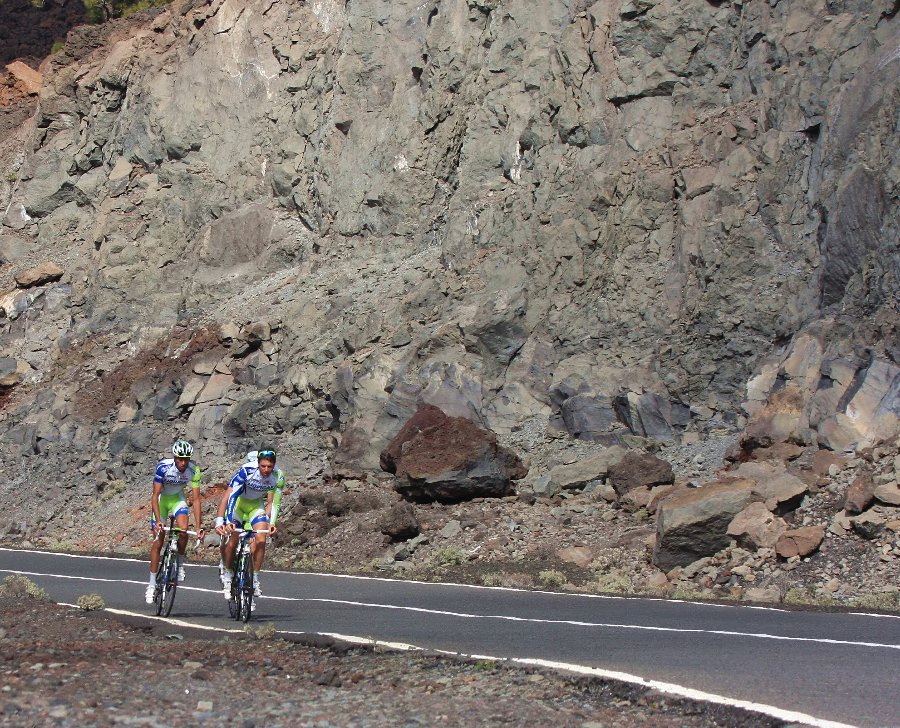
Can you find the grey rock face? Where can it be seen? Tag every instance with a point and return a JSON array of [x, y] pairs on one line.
[[646, 220]]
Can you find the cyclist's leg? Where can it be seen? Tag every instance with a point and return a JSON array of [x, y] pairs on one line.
[[155, 548], [259, 522], [181, 520]]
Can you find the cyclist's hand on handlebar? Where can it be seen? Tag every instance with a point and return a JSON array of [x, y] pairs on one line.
[[273, 529], [222, 530]]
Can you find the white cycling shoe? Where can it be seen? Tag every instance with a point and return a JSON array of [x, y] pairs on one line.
[[149, 593], [257, 591]]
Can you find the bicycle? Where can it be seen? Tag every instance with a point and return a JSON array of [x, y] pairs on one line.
[[167, 574], [240, 603]]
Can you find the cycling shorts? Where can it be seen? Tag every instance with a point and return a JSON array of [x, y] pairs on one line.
[[170, 505], [248, 511]]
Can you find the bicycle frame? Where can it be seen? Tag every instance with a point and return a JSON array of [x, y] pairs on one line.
[[167, 573], [241, 602]]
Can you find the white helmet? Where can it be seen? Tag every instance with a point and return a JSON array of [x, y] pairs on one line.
[[182, 449]]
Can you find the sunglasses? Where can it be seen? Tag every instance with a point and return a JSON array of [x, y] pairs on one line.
[[263, 454]]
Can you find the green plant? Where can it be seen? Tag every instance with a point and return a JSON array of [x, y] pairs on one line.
[[492, 579], [91, 602], [112, 489], [262, 632], [615, 582], [17, 585], [552, 578], [449, 555], [484, 665], [686, 592], [807, 596], [887, 601], [57, 46], [11, 177]]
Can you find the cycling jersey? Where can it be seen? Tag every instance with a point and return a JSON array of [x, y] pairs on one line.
[[173, 481], [247, 489]]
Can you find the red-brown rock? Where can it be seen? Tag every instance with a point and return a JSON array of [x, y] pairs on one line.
[[860, 494], [449, 459], [800, 541], [640, 470], [44, 273]]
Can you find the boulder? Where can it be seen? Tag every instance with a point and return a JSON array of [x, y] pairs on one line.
[[426, 417], [888, 493], [12, 372], [860, 494], [399, 523], [691, 524], [640, 470], [800, 541], [780, 490], [578, 555], [756, 527], [868, 525], [47, 272], [450, 460], [576, 475]]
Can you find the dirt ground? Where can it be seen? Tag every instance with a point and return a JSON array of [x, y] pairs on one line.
[[63, 666]]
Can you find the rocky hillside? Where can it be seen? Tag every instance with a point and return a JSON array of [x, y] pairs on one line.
[[598, 230]]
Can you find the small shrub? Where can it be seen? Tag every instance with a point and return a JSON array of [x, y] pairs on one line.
[[686, 592], [614, 582], [57, 46], [112, 489], [806, 596], [492, 579], [11, 177], [887, 601], [262, 632], [91, 602], [552, 578], [485, 665], [17, 585], [449, 555]]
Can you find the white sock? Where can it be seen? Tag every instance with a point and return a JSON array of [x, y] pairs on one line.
[[152, 581]]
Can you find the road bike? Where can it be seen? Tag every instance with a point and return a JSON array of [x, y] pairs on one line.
[[240, 602], [167, 574]]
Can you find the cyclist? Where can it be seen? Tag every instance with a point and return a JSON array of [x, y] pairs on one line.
[[243, 503], [249, 459], [171, 477]]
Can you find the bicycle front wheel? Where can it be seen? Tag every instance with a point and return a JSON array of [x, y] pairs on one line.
[[168, 597], [161, 575], [247, 590]]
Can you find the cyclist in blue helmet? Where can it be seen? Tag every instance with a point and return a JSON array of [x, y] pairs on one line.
[[252, 501]]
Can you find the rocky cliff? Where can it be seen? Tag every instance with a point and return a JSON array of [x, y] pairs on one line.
[[612, 223]]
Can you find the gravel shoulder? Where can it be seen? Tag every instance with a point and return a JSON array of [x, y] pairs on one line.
[[62, 666]]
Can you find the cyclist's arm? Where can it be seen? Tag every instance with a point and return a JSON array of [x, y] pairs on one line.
[[195, 492], [274, 504], [154, 501]]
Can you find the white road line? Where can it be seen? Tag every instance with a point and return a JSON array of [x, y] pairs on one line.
[[502, 617], [385, 579]]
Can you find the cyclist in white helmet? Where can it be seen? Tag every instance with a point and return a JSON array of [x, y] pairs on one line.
[[171, 477]]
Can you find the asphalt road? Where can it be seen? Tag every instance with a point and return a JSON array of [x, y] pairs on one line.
[[815, 667]]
